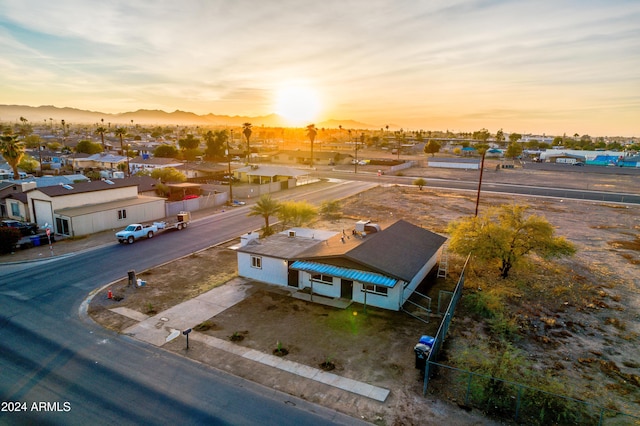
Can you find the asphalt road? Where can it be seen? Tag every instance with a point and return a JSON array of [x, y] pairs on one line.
[[51, 354], [503, 188]]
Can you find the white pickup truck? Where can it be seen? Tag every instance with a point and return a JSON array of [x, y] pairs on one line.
[[136, 231]]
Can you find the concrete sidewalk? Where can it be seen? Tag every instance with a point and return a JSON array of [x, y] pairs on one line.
[[188, 314], [156, 329]]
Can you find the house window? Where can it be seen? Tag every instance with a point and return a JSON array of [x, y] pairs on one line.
[[15, 209], [122, 214], [256, 262], [62, 226], [376, 289], [323, 279]]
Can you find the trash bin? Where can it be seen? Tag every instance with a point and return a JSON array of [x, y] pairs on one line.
[[35, 240], [132, 278], [427, 340], [422, 350]]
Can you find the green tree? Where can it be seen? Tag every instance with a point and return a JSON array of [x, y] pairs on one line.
[[514, 150], [246, 131], [432, 147], [296, 213], [101, 131], [12, 151], [482, 135], [190, 142], [311, 134], [28, 164], [514, 137], [92, 175], [54, 146], [499, 137], [482, 148], [168, 174], [88, 147], [25, 129], [265, 207], [506, 235], [165, 151], [32, 142], [216, 144], [420, 182]]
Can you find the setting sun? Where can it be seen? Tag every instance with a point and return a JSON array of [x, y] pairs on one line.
[[299, 105]]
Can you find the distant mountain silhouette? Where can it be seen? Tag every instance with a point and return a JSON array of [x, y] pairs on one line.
[[49, 114]]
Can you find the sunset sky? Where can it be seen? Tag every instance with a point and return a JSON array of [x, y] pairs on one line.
[[526, 66]]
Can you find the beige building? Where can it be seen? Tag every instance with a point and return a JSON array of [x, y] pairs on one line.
[[90, 207], [100, 161]]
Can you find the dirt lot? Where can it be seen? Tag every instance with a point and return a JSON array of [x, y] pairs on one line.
[[584, 325]]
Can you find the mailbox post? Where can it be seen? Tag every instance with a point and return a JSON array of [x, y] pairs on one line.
[[186, 333]]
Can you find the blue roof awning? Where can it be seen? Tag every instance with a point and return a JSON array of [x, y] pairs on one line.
[[350, 274]]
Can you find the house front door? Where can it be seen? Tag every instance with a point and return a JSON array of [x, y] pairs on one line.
[[346, 289], [292, 280]]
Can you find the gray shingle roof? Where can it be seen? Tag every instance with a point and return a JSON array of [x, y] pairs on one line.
[[144, 183], [401, 250]]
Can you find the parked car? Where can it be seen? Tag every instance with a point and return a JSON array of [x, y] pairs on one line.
[[25, 228]]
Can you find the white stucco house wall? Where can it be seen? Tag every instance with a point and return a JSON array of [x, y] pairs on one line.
[[150, 163], [381, 269], [103, 161], [454, 163]]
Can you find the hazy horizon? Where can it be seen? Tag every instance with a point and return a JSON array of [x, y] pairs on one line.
[[526, 67]]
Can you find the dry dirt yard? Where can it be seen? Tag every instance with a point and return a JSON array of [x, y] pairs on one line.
[[582, 326]]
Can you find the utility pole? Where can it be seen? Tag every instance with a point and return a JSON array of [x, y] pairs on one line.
[[230, 175], [480, 181]]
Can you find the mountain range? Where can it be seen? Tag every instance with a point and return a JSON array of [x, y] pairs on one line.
[[49, 114]]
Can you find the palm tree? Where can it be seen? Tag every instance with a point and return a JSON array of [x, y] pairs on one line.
[[120, 132], [12, 151], [246, 131], [101, 131], [265, 207], [311, 134], [64, 134]]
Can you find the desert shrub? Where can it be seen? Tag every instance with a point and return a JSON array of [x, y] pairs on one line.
[[546, 407], [330, 209], [503, 326], [204, 326], [420, 182], [484, 303]]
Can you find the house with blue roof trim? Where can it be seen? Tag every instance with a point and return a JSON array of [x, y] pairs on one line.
[[379, 269]]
